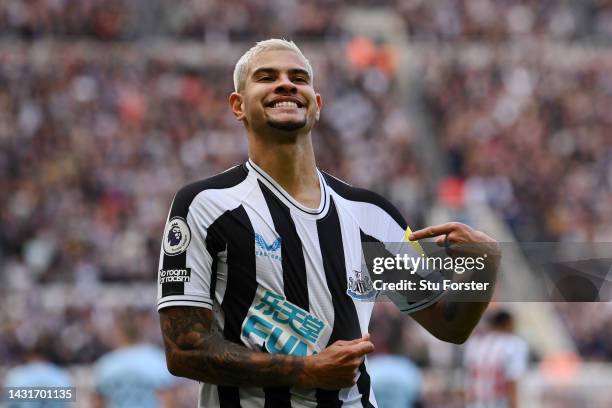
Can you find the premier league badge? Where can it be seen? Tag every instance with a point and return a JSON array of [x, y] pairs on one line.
[[360, 287], [177, 236]]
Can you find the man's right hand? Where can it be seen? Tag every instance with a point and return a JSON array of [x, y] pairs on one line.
[[196, 349], [337, 366]]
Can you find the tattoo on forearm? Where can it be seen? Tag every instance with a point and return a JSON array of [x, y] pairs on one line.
[[194, 344]]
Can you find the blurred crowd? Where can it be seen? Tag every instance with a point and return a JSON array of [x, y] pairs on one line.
[[591, 326], [444, 21], [211, 20], [97, 136], [73, 335], [493, 21], [530, 136]]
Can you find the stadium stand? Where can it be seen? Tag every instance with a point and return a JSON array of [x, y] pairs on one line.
[[107, 107]]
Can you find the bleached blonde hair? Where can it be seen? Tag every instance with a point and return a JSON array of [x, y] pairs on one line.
[[242, 66]]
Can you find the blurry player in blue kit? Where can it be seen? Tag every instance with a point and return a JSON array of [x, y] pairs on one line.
[[397, 381], [38, 371], [134, 374], [253, 285]]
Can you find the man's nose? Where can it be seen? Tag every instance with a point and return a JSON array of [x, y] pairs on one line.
[[285, 85]]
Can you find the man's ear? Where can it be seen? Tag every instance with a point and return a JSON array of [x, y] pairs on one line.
[[319, 106], [235, 101]]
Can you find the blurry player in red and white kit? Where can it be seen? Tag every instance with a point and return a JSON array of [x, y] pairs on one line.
[[494, 361]]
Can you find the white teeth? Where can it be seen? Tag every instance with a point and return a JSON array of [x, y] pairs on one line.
[[285, 104]]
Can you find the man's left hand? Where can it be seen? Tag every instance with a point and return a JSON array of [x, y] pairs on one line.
[[459, 239]]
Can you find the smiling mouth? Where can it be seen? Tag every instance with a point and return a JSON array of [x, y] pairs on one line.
[[285, 104]]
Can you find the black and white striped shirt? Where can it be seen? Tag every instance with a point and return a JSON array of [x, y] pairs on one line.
[[491, 360], [280, 277]]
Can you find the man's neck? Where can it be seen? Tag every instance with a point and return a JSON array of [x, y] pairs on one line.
[[292, 165]]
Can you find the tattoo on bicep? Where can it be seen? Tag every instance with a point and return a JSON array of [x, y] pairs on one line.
[[187, 328]]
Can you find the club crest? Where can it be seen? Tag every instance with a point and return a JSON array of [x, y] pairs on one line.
[[360, 287]]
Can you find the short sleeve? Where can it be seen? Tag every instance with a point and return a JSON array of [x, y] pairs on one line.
[[192, 243], [186, 265]]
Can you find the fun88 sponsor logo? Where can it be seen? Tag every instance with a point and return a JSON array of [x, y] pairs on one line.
[[282, 327]]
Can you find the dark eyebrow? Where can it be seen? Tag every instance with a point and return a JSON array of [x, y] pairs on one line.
[[299, 71], [293, 71]]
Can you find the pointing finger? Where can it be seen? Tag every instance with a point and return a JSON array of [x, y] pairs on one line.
[[432, 231]]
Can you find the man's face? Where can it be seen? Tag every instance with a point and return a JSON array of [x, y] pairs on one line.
[[277, 94]]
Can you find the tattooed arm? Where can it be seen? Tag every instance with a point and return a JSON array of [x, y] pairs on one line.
[[196, 350]]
